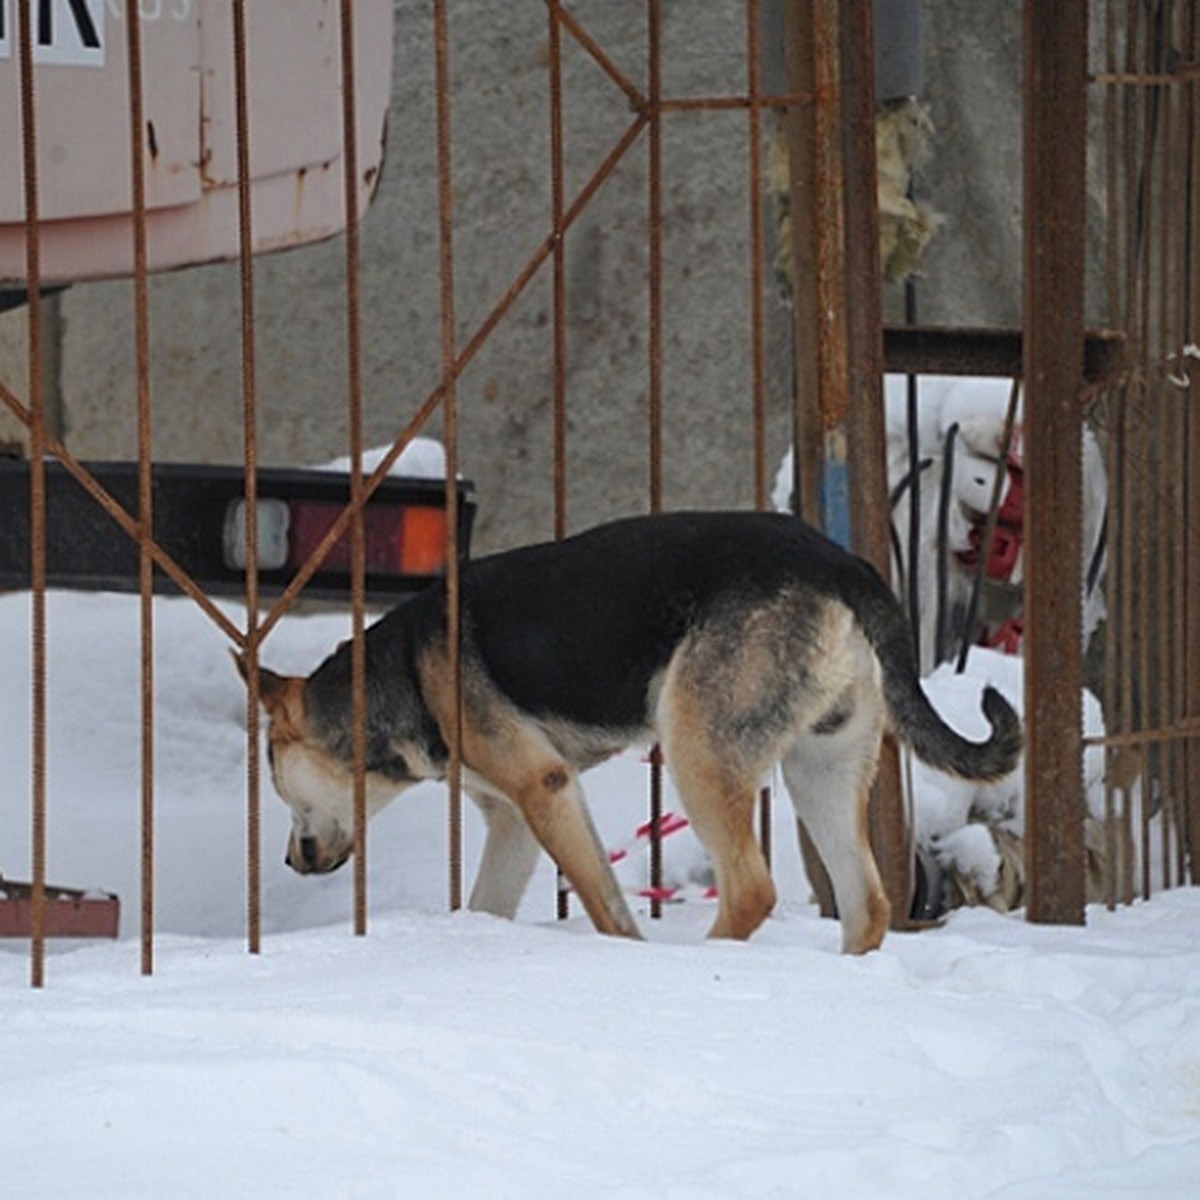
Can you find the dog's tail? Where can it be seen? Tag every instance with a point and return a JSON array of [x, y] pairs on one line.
[[913, 718]]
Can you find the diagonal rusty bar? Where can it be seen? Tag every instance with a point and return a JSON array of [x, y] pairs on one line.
[[464, 358], [572, 24], [128, 524]]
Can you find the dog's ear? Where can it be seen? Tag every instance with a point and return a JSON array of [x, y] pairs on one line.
[[272, 688]]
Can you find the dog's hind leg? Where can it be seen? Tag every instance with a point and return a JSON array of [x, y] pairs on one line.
[[828, 772], [719, 797], [721, 810], [509, 856]]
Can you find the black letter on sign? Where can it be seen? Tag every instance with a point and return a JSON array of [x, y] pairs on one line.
[[83, 22]]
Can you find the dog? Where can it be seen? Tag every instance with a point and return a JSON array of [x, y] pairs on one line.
[[734, 640]]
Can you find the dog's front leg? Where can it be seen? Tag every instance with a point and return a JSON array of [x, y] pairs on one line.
[[556, 812], [509, 856], [522, 765]]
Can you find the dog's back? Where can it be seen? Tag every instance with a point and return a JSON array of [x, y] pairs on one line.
[[578, 628]]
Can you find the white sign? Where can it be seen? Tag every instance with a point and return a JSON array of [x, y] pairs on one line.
[[66, 33]]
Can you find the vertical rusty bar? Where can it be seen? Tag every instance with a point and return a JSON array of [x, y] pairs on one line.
[[1186, 214], [250, 460], [654, 150], [1192, 420], [354, 384], [1141, 135], [1165, 436], [557, 209], [816, 207], [1114, 710], [37, 494], [1141, 597], [450, 427], [830, 230], [818, 300], [758, 366], [654, 205], [1055, 142], [1136, 131], [137, 124], [870, 509], [869, 506]]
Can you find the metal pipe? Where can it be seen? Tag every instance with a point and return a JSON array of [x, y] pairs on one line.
[[1055, 144]]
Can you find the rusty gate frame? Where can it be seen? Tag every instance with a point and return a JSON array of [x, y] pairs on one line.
[[841, 354]]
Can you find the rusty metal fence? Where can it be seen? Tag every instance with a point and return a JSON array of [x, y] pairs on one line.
[[1147, 97], [1143, 79]]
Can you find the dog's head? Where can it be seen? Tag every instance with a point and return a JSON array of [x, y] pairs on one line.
[[315, 783]]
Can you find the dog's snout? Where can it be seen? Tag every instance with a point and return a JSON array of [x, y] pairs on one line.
[[310, 856], [302, 855]]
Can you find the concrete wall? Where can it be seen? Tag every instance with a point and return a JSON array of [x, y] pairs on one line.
[[502, 207]]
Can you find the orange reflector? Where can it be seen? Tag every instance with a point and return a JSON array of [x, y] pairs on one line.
[[423, 551], [400, 539]]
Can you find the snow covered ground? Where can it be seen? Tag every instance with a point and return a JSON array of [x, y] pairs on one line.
[[458, 1055]]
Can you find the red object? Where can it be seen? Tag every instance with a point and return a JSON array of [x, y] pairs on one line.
[[1008, 638], [67, 912], [668, 823], [658, 893], [1007, 538], [400, 539]]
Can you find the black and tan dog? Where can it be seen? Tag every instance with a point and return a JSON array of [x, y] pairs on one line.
[[737, 640]]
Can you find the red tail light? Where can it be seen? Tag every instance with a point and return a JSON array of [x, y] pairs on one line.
[[400, 540]]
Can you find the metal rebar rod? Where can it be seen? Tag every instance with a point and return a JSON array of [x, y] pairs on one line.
[[354, 409], [449, 387], [250, 479], [37, 495], [654, 204], [133, 27]]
